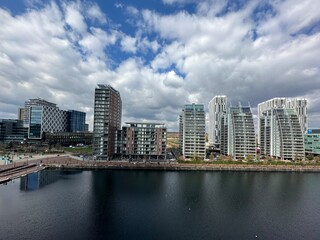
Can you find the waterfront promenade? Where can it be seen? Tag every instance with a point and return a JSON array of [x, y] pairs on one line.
[[17, 169]]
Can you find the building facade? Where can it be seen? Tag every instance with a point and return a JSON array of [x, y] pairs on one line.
[[12, 130], [300, 106], [34, 102], [142, 141], [217, 107], [20, 114], [280, 134], [69, 138], [237, 133], [107, 120], [46, 119], [76, 121], [312, 142], [192, 131]]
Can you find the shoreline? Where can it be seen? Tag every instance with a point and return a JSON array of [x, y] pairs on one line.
[[164, 166], [67, 162]]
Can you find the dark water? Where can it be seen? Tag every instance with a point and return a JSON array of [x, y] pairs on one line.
[[160, 205]]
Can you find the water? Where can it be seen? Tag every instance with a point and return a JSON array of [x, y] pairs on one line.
[[108, 204]]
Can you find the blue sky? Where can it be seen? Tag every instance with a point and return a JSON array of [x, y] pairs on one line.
[[160, 55]]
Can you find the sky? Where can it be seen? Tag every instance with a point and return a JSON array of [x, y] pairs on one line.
[[159, 54]]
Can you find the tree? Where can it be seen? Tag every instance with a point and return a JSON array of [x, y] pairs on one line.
[[249, 158]]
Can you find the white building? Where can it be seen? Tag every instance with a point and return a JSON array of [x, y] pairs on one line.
[[192, 131], [237, 133], [217, 107], [300, 106], [280, 134]]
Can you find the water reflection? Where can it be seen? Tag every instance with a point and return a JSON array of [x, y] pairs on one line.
[[40, 179]]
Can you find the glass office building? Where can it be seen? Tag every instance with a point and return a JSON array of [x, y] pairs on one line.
[[76, 121], [12, 130], [312, 142], [35, 129]]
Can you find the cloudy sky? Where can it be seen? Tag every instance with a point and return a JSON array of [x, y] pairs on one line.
[[160, 55]]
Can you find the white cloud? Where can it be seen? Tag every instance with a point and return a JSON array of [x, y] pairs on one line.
[[60, 54], [128, 44], [95, 13], [74, 18]]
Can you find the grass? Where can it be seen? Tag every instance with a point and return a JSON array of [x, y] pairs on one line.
[[80, 150]]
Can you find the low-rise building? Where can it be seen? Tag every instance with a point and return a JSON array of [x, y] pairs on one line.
[[12, 130], [141, 141], [312, 142], [69, 138]]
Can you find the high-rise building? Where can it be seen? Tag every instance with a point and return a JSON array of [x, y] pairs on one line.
[[217, 107], [142, 141], [237, 133], [20, 114], [107, 120], [76, 121], [300, 107], [312, 142], [280, 134], [86, 127], [192, 131]]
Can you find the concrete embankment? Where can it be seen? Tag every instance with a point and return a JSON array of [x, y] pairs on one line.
[[165, 166]]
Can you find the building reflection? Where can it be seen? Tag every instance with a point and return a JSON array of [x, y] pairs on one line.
[[40, 179]]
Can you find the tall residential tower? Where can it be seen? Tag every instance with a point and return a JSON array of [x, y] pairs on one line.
[[107, 120], [217, 107], [299, 105], [237, 133], [192, 131]]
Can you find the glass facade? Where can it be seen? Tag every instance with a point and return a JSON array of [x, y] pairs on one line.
[[312, 141], [76, 121], [35, 130]]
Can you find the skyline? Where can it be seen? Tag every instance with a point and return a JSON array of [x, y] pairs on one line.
[[159, 55]]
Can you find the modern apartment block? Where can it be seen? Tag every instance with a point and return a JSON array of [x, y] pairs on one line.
[[45, 118], [76, 121], [237, 133], [280, 134], [300, 107], [217, 107], [312, 142], [142, 141], [192, 131], [107, 120]]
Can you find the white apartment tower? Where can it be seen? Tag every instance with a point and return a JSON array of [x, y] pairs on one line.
[[299, 105], [280, 134], [217, 107], [237, 133], [192, 131]]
